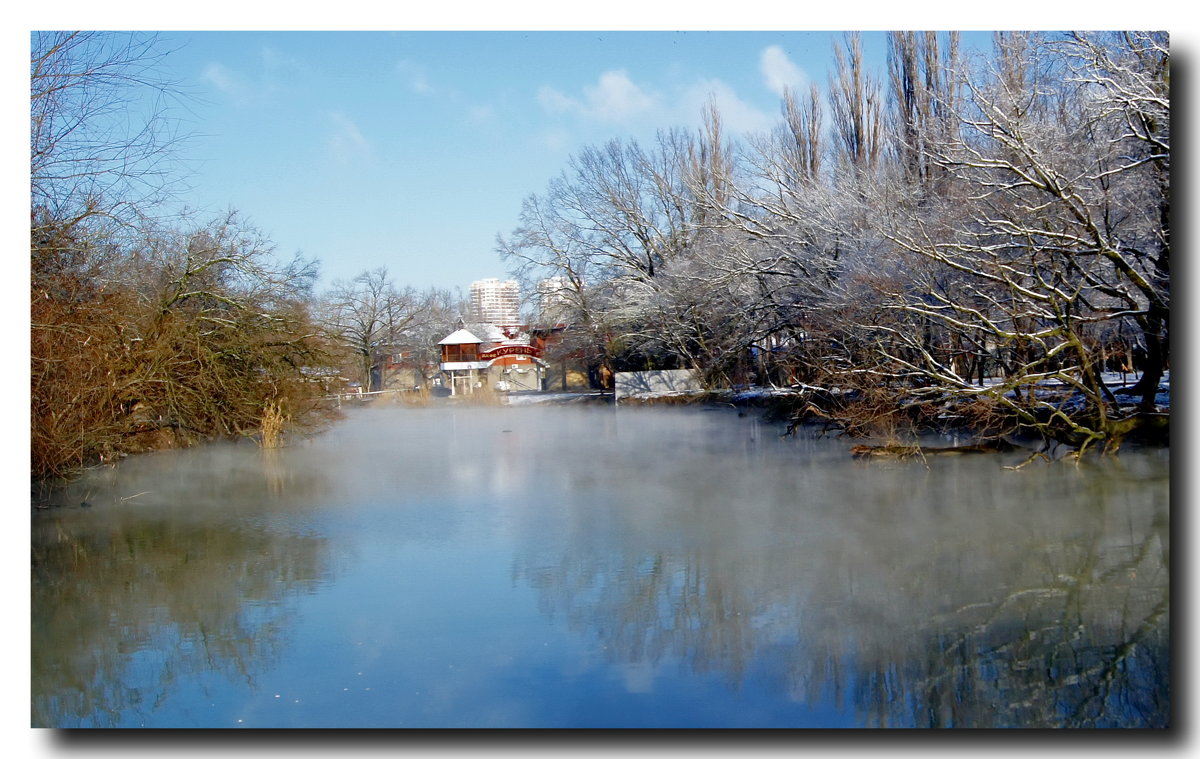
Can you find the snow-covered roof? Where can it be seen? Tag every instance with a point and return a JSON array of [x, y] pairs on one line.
[[459, 337], [492, 333]]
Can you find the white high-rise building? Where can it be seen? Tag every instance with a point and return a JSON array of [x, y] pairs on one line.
[[496, 302], [554, 299]]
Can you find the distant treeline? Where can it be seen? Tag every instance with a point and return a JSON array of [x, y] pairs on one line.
[[989, 231], [146, 331]]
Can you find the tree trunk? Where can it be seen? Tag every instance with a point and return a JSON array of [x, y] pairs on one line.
[[1154, 333]]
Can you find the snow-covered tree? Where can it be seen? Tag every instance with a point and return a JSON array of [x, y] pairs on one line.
[[1045, 238], [371, 317]]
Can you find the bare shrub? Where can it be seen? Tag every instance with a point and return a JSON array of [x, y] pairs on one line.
[[273, 421]]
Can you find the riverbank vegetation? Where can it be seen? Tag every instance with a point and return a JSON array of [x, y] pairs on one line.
[[147, 330], [988, 233], [376, 325], [971, 239]]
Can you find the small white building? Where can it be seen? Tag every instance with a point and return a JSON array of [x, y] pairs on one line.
[[507, 363], [460, 361]]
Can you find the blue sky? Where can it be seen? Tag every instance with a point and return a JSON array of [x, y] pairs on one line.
[[413, 150]]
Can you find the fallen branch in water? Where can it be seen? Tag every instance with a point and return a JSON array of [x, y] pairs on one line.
[[902, 450]]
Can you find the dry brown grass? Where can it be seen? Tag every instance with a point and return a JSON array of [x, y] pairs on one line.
[[273, 423], [420, 397], [115, 370]]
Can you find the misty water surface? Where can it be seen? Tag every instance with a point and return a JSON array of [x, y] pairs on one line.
[[571, 567]]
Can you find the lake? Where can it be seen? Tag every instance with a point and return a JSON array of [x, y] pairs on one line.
[[565, 566]]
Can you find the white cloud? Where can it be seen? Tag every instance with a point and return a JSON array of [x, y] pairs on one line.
[[555, 140], [481, 114], [779, 72], [614, 97], [737, 116], [347, 145], [554, 101], [225, 81], [275, 61], [415, 76], [282, 73], [617, 98], [276, 75]]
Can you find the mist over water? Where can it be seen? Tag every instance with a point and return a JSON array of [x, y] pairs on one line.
[[591, 567]]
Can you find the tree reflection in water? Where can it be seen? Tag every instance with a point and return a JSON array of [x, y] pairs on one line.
[[125, 608], [920, 597], [551, 567]]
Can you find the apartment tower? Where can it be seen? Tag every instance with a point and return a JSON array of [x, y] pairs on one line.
[[496, 302]]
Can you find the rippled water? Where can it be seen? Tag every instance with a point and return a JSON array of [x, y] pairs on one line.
[[569, 567]]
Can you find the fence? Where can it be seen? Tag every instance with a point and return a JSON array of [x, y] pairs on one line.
[[629, 384]]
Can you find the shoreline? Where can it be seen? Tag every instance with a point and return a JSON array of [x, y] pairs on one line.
[[899, 427]]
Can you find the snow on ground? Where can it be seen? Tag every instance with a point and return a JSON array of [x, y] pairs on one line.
[[1115, 380], [535, 397]]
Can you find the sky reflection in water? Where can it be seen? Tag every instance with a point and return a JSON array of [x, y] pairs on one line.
[[564, 567]]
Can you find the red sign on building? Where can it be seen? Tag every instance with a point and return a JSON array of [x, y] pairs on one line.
[[509, 350]]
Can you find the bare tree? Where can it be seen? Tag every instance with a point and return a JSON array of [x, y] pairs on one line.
[[1008, 224], [923, 99], [195, 333], [1126, 77], [857, 107], [1042, 244], [101, 140], [548, 252], [144, 333], [373, 319], [610, 224]]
